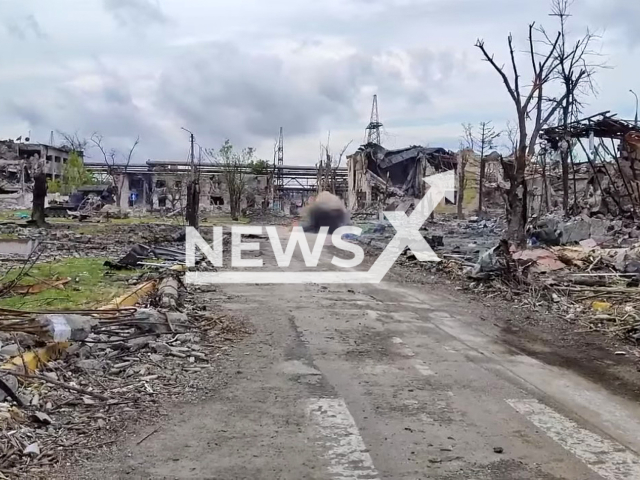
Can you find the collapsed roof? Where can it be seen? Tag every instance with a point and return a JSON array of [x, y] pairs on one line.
[[601, 125], [405, 167]]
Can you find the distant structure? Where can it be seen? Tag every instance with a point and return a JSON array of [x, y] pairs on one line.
[[280, 152], [373, 129]]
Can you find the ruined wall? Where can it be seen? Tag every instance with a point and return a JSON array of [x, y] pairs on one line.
[[168, 191], [359, 194]]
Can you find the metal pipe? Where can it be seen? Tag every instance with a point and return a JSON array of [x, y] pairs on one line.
[[636, 118]]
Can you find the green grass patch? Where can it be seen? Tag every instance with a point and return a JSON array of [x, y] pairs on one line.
[[88, 288]]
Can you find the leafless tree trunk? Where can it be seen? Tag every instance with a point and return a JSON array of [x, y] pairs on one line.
[[575, 74], [113, 168], [39, 196], [516, 208], [512, 135], [545, 183], [463, 159], [487, 136], [193, 202]]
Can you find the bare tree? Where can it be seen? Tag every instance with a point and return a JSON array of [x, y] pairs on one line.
[[575, 72], [543, 70], [117, 172], [73, 142], [174, 194], [488, 135], [234, 170], [328, 168], [468, 137], [512, 135]]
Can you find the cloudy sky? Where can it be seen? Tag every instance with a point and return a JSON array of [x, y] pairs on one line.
[[241, 69]]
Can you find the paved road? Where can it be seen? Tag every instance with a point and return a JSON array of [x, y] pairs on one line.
[[387, 381]]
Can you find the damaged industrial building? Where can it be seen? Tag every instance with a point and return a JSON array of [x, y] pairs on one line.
[[376, 174]]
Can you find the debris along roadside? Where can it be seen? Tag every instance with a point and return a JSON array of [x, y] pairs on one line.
[[593, 284], [73, 379]]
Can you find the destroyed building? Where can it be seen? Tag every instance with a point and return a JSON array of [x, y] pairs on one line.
[[17, 163], [375, 174], [163, 185], [493, 184], [605, 172]]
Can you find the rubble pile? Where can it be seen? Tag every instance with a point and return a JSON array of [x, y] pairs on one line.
[[110, 369], [71, 380], [61, 241], [584, 270]]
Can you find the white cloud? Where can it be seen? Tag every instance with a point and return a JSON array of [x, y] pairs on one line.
[[243, 69], [135, 13]]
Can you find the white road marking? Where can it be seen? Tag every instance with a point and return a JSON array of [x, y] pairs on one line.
[[339, 436], [423, 369], [403, 349], [407, 352], [608, 459]]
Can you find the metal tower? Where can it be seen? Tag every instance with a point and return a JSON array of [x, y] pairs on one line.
[[373, 129], [280, 159], [279, 178]]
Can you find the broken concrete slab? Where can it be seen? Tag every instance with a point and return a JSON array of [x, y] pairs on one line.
[[10, 350], [575, 231], [543, 260], [17, 247]]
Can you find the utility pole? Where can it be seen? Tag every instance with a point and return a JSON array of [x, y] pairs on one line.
[[193, 187], [279, 172], [634, 94], [373, 129]]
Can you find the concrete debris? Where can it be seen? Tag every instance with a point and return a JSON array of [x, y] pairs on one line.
[[42, 417], [9, 382], [132, 373], [10, 350], [168, 292], [142, 256], [33, 449], [17, 248], [589, 244], [90, 365], [491, 262], [566, 278], [102, 368], [64, 327], [551, 230]]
